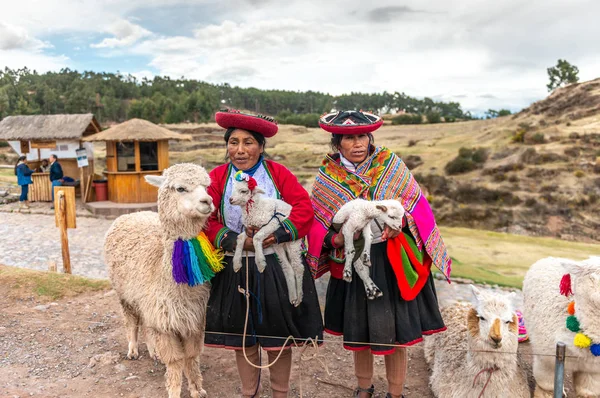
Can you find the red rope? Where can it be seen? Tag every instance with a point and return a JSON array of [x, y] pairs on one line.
[[490, 372]]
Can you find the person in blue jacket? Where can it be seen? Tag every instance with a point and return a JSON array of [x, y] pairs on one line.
[[23, 173], [56, 175]]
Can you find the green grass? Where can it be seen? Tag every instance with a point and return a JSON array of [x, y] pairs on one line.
[[8, 175], [47, 285], [503, 259]]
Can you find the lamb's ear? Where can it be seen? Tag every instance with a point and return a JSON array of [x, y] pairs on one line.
[[477, 293], [382, 208], [157, 181]]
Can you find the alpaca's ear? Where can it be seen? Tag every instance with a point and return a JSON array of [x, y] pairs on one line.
[[382, 208], [477, 293], [157, 181], [577, 267], [512, 298]]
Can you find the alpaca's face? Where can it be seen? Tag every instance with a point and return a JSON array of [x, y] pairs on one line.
[[241, 194], [182, 192], [392, 213], [492, 322]]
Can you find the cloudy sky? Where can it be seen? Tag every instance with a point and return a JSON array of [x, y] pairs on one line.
[[484, 54]]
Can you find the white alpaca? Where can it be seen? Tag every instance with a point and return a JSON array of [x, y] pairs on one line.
[[481, 342], [545, 314], [138, 251], [267, 214], [356, 216]]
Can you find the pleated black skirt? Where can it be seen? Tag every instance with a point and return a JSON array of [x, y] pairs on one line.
[[385, 322], [271, 313]]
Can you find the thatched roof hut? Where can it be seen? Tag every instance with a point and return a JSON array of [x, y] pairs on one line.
[[137, 130], [48, 127]]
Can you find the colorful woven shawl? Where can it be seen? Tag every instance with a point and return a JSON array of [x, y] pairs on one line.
[[383, 175]]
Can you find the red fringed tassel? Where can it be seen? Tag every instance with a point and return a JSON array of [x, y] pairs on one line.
[[565, 285]]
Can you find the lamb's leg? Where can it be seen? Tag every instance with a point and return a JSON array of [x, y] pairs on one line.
[[368, 235], [370, 287], [543, 371], [239, 248], [258, 239], [288, 272], [132, 324], [349, 251], [587, 385], [295, 255]]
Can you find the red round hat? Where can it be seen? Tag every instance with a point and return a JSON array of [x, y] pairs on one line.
[[264, 125], [350, 122]]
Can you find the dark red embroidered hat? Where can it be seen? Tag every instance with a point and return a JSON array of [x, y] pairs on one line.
[[350, 122], [264, 125]]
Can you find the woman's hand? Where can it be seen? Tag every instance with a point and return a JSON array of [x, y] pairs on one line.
[[389, 233], [248, 243]]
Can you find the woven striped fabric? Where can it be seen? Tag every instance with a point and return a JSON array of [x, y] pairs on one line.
[[382, 176]]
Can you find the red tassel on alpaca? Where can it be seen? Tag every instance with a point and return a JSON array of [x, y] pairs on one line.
[[565, 285]]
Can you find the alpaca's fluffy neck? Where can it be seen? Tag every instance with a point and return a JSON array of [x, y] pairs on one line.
[[479, 357], [185, 228]]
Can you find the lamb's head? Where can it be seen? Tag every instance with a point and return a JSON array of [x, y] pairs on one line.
[[492, 322], [244, 190], [391, 213], [182, 196], [585, 281]]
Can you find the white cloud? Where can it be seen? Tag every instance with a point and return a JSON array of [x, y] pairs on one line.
[[14, 37], [126, 34], [16, 59]]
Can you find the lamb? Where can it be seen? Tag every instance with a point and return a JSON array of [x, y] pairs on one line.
[[139, 251], [355, 216], [480, 344], [267, 214], [547, 317]]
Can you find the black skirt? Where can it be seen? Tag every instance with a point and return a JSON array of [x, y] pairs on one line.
[[271, 313], [386, 321]]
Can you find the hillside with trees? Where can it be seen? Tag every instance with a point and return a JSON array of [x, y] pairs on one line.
[[114, 97]]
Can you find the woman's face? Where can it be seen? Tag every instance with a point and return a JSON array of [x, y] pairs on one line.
[[243, 149], [355, 147]]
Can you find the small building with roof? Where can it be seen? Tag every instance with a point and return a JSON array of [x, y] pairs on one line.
[[134, 149], [39, 136]]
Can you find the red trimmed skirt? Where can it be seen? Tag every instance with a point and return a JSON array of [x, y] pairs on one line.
[[383, 323]]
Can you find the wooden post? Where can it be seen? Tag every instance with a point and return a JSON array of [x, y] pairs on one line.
[[64, 236], [52, 266]]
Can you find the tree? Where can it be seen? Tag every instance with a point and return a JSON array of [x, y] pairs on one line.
[[562, 74]]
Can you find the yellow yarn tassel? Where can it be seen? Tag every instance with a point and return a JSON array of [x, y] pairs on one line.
[[582, 341], [214, 256]]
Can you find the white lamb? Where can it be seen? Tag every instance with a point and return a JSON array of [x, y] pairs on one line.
[[545, 313], [355, 216], [480, 345], [267, 214], [138, 251]]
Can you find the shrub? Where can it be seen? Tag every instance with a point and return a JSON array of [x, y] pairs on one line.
[[499, 177], [412, 143], [530, 202], [538, 138], [433, 117], [468, 159], [513, 178], [3, 144], [299, 119], [480, 155], [407, 119], [518, 136], [579, 173]]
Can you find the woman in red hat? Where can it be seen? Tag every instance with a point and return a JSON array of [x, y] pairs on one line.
[[271, 313], [400, 259]]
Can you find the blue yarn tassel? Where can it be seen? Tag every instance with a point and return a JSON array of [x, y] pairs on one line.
[[178, 262], [205, 270], [595, 349], [197, 278]]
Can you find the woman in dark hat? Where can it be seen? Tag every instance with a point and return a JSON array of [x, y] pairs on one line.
[[400, 259], [271, 313]]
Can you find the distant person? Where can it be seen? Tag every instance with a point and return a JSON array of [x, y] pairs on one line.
[[56, 175], [23, 173], [44, 167]]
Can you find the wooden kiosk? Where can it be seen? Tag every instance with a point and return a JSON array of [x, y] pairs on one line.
[[134, 149], [39, 136]]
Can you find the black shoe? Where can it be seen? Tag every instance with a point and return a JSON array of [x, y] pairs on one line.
[[358, 390]]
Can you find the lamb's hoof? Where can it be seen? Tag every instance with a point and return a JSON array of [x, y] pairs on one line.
[[366, 257], [261, 265], [347, 276], [373, 293], [236, 266]]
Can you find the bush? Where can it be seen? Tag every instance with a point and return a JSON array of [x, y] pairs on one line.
[[513, 178], [530, 202], [412, 143], [299, 119], [407, 119], [579, 173], [499, 177], [433, 117], [3, 144], [468, 159], [480, 155], [538, 138]]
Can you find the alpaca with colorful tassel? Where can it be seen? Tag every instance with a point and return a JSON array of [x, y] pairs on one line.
[[267, 215], [160, 265], [569, 313]]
